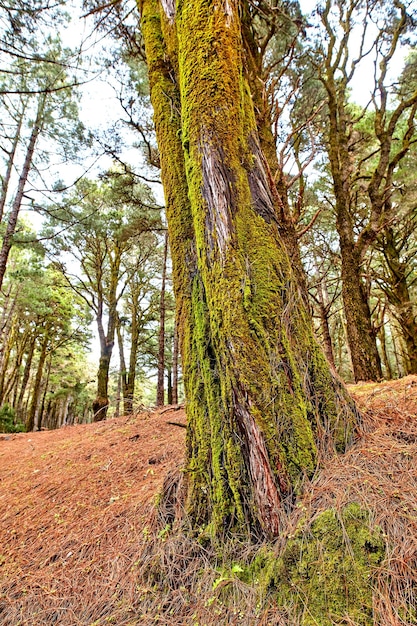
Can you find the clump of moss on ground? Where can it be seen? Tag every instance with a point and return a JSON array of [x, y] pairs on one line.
[[325, 571]]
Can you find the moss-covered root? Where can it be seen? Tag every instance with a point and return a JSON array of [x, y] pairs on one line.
[[326, 570]]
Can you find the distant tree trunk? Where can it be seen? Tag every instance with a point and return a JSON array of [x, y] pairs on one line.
[[10, 163], [327, 338], [169, 385], [385, 357], [19, 345], [175, 351], [135, 327], [128, 376], [361, 334], [101, 402], [396, 345], [398, 295], [407, 321], [4, 363], [160, 391], [6, 324], [324, 307], [31, 416], [262, 404], [25, 378], [118, 394], [14, 213], [45, 391], [122, 379]]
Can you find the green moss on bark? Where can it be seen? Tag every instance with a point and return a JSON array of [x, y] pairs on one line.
[[261, 403]]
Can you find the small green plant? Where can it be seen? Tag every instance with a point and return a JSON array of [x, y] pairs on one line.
[[7, 420]]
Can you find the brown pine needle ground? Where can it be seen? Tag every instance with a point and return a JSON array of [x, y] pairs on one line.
[[79, 544]]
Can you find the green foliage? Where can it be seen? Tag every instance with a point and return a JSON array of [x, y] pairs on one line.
[[7, 420]]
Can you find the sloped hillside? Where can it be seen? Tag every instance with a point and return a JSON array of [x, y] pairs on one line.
[[74, 505]]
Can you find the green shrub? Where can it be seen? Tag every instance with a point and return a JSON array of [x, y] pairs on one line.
[[7, 420]]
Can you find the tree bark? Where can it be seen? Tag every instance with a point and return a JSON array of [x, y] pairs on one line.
[[360, 333], [101, 402], [31, 416], [385, 357], [398, 294], [175, 354], [169, 386], [41, 411], [10, 163], [14, 213], [25, 378], [327, 338], [262, 404], [286, 219], [122, 378], [160, 389]]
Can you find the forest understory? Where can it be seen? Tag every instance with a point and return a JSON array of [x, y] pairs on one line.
[[82, 542]]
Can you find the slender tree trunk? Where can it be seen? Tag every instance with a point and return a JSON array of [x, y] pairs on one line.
[[45, 391], [128, 398], [4, 363], [101, 402], [122, 382], [128, 376], [14, 213], [31, 416], [327, 338], [169, 385], [175, 351], [262, 404], [11, 387], [398, 294], [160, 391], [25, 378], [5, 345], [10, 163], [361, 335], [324, 310], [385, 357], [407, 321], [395, 345], [119, 395]]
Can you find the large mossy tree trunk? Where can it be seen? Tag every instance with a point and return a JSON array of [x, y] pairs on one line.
[[262, 404]]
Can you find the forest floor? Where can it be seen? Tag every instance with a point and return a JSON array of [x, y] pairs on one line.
[[77, 510]]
